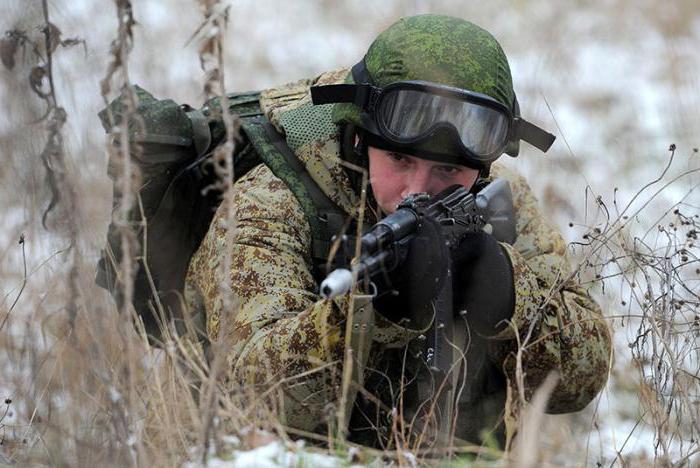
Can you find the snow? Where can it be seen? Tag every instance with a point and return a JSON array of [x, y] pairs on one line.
[[620, 91], [272, 455]]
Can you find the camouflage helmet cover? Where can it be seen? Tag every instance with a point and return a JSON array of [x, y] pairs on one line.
[[439, 49]]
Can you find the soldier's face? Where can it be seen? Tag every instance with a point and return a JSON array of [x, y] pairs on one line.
[[394, 176]]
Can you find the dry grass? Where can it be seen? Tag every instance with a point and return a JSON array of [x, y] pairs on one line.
[[82, 386]]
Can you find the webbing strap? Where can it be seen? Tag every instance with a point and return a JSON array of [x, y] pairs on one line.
[[200, 131], [325, 217]]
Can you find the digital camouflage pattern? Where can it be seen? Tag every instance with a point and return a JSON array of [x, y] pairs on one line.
[[282, 335], [439, 49]]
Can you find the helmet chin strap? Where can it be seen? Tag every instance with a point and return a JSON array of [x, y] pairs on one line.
[[360, 146], [355, 144], [354, 150]]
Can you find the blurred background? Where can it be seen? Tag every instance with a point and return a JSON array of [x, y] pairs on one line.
[[616, 80]]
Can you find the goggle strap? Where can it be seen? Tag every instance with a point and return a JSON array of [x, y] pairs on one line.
[[330, 94], [337, 93], [536, 136]]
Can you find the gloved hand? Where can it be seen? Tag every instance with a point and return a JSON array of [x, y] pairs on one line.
[[483, 283], [405, 294]]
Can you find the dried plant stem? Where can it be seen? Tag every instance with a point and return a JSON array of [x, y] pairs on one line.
[[346, 400], [211, 54], [125, 188], [24, 283], [664, 296]]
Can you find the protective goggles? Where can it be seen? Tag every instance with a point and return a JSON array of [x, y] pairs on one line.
[[409, 113]]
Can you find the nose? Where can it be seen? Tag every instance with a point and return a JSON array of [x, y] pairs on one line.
[[417, 182]]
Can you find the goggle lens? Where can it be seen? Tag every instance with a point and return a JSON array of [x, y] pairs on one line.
[[409, 114]]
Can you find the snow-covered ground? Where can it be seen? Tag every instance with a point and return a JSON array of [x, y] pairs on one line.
[[616, 80]]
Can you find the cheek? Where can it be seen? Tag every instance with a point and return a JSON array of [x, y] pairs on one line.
[[388, 195], [386, 185], [468, 178]]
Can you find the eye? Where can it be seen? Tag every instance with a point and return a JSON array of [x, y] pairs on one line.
[[398, 157], [449, 170]]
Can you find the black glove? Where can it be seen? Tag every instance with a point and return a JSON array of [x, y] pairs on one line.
[[405, 294], [483, 283]]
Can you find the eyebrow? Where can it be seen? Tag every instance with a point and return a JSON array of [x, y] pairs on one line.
[[455, 166]]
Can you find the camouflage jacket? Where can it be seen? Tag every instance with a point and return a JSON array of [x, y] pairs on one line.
[[279, 334]]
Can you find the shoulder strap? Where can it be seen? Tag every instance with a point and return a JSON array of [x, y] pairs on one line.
[[325, 217]]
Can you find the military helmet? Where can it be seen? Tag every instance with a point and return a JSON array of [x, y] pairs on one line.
[[437, 87]]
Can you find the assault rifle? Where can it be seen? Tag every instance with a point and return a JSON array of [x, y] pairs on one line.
[[385, 247]]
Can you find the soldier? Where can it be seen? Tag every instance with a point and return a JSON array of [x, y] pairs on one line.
[[430, 106], [283, 331]]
